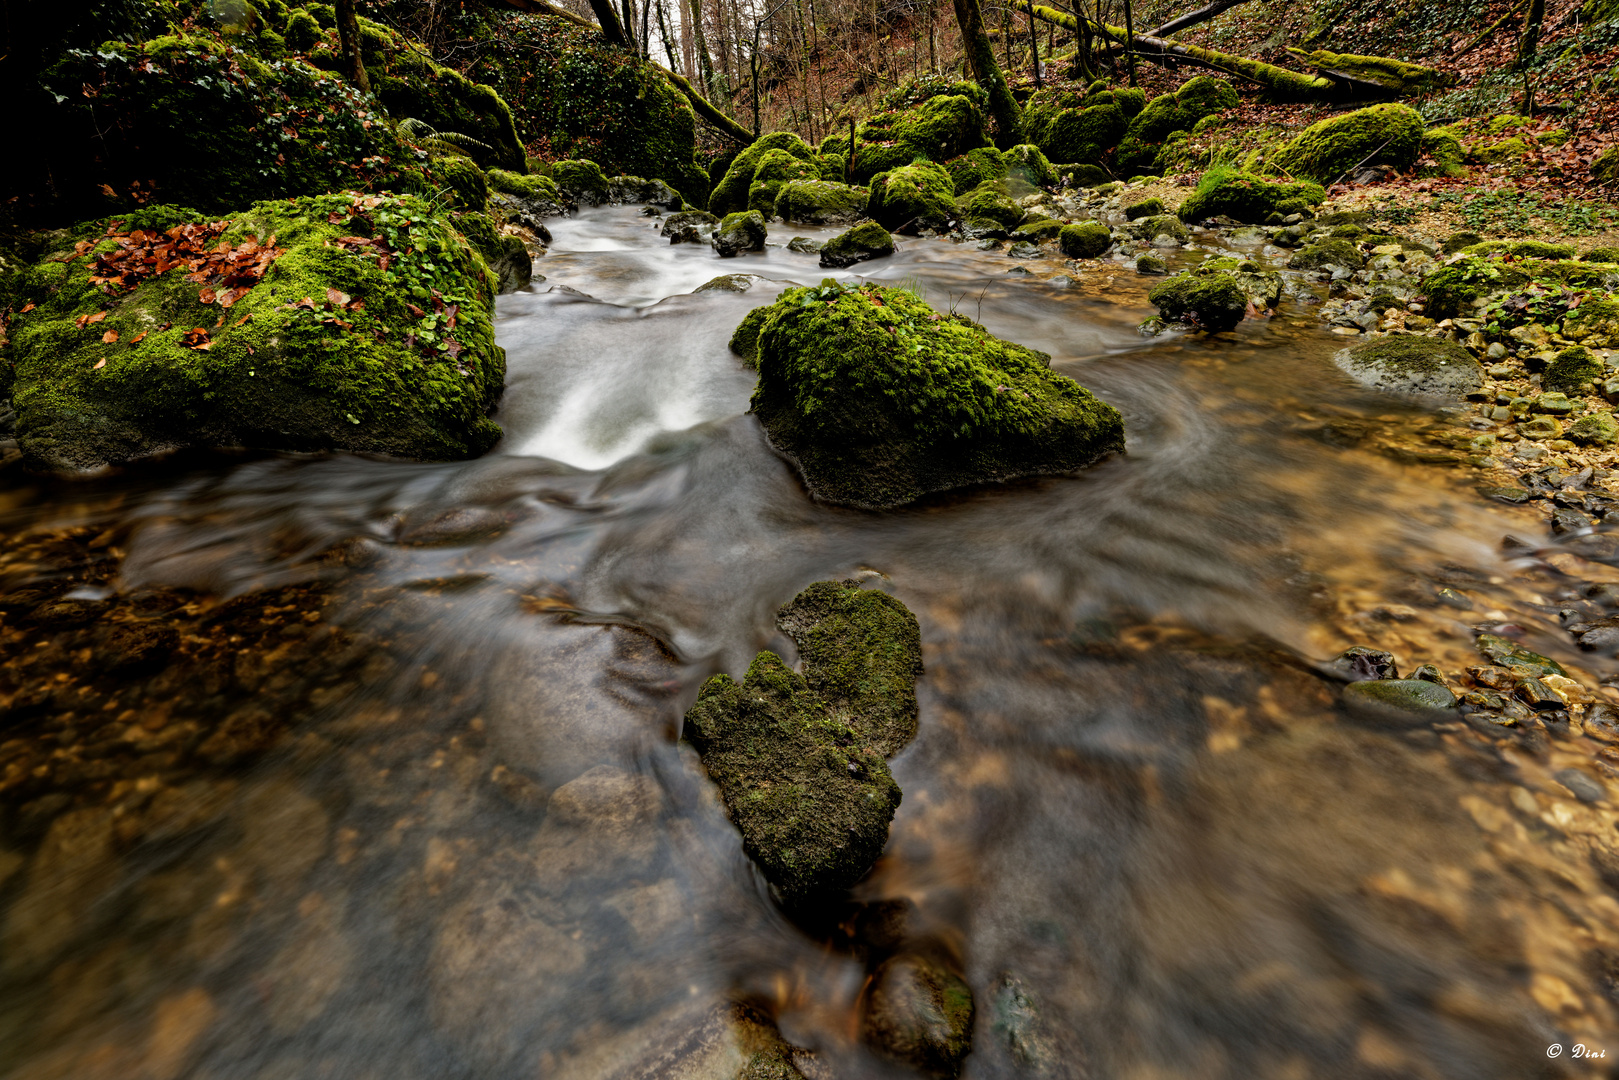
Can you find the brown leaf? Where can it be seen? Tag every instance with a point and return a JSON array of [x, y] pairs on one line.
[[97, 317], [109, 337], [136, 340], [336, 297], [100, 364], [196, 338], [206, 296], [26, 308]]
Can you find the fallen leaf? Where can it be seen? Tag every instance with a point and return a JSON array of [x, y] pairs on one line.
[[206, 296], [100, 364], [98, 316], [243, 319], [336, 297], [137, 338], [109, 337], [26, 308]]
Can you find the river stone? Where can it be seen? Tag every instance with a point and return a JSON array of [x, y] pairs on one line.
[[1412, 365], [688, 226], [636, 190], [803, 245], [739, 233], [1519, 660], [920, 1013], [942, 402], [1208, 299], [861, 651], [1360, 662], [1399, 701], [811, 799], [867, 241], [732, 283]]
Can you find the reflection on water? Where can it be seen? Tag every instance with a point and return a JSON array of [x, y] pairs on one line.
[[339, 767]]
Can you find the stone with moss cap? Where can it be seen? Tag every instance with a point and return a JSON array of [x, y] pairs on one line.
[[1387, 134], [582, 180], [1204, 298], [1029, 165], [1427, 367], [1245, 197], [1168, 113], [1331, 251], [812, 802], [820, 202], [740, 232], [775, 169], [325, 352], [989, 208], [1594, 323], [916, 197], [975, 167], [879, 400], [1521, 249], [866, 241], [1572, 371], [1595, 429], [731, 193], [462, 178], [1085, 239]]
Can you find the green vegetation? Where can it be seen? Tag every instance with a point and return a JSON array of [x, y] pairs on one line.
[[866, 241], [1327, 151], [917, 196], [1206, 299], [1245, 197], [1085, 239]]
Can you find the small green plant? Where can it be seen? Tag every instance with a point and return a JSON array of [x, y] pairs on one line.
[[441, 142]]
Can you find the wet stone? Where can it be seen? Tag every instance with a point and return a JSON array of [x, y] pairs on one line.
[[920, 1013], [1601, 721], [803, 245], [1360, 662], [1584, 788], [1402, 702], [1509, 654]]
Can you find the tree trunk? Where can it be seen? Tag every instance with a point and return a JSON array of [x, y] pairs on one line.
[[1192, 18], [612, 29], [705, 61], [629, 24], [687, 55], [707, 109], [1034, 50], [1129, 42], [348, 33], [1530, 42], [1003, 110]]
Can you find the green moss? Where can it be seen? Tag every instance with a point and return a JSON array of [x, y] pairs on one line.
[[1595, 429], [1131, 101], [278, 372], [584, 180], [1039, 229], [937, 129], [1028, 164], [861, 651], [989, 207], [1208, 299], [1405, 364], [879, 399], [1605, 169], [1333, 251], [523, 187], [745, 340], [731, 193], [812, 802], [740, 232], [868, 240], [410, 83], [1601, 255], [1166, 114], [975, 167], [1164, 225], [1571, 371], [1388, 134], [1595, 322], [464, 180], [819, 202], [917, 196], [1085, 240], [302, 31], [1522, 249], [775, 168], [1146, 208], [1084, 175], [1443, 145], [1247, 198], [1393, 75], [1083, 136]]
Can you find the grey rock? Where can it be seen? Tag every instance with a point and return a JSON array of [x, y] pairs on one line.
[[1412, 365], [1399, 702], [1584, 788], [688, 226]]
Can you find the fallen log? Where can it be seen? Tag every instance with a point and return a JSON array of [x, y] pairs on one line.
[[1192, 18]]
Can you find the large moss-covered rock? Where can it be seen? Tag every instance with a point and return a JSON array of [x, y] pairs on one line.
[[1085, 239], [461, 178], [775, 169], [819, 202], [1027, 164], [1387, 134], [740, 232], [1169, 113], [975, 167], [583, 181], [937, 129], [1328, 252], [578, 97], [1207, 299], [867, 241], [1572, 371], [799, 758], [311, 343], [878, 399], [988, 207], [1247, 198], [1428, 367], [912, 198], [731, 192]]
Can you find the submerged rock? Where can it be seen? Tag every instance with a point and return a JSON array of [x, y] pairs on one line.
[[1413, 365], [868, 241], [941, 404], [739, 233], [1399, 701], [297, 338], [920, 1013]]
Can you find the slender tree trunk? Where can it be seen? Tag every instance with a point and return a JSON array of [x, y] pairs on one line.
[[612, 29], [687, 54], [1129, 43], [981, 66], [705, 61], [1530, 41], [1034, 50], [629, 24], [348, 33]]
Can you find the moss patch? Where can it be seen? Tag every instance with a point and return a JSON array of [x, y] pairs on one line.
[[1388, 134], [1085, 239], [731, 193], [939, 128], [867, 241], [917, 196], [819, 202], [1244, 197], [1208, 300], [1571, 371], [776, 168]]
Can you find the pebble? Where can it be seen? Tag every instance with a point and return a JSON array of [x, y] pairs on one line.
[[1584, 788], [1402, 702]]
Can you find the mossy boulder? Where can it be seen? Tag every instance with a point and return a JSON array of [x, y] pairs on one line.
[[1145, 208], [866, 241], [1605, 169], [583, 181], [819, 202], [1594, 323], [1162, 225], [506, 255], [462, 178], [1572, 371], [1206, 299], [1247, 198], [541, 189], [1387, 134], [937, 129], [1029, 165], [1085, 239], [1038, 228], [1427, 367], [776, 168], [916, 197], [1082, 175], [1169, 113], [879, 400], [811, 799], [327, 349], [988, 207], [1329, 252], [975, 167], [1522, 249], [740, 232], [1083, 136], [745, 338], [731, 193], [1445, 147], [1595, 429], [688, 226]]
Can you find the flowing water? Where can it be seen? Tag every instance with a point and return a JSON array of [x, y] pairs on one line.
[[398, 791]]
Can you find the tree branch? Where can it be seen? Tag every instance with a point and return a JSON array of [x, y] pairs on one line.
[[1192, 18]]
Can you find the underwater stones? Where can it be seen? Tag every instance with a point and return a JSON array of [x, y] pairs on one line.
[[920, 1013], [914, 197], [941, 402], [583, 181], [812, 802], [636, 190], [1085, 240], [1400, 702], [819, 202], [1208, 300], [1413, 365], [867, 241], [861, 651], [324, 352], [1247, 197], [688, 226], [1389, 134], [1360, 662], [731, 193], [1503, 652], [739, 233]]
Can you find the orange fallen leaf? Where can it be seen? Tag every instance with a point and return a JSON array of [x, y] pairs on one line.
[[137, 338], [109, 337], [100, 364], [243, 319], [206, 296], [26, 308], [97, 317]]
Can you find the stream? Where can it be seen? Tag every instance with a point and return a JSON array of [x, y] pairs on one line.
[[325, 766]]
